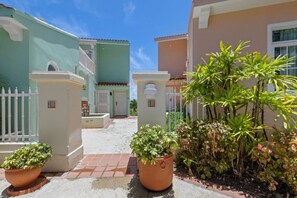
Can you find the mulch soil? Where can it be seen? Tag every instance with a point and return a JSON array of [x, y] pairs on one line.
[[229, 184]]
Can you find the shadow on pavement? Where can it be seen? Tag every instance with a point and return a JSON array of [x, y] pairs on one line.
[[137, 190]]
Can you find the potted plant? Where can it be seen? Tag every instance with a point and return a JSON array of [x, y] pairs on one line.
[[154, 149], [24, 165]]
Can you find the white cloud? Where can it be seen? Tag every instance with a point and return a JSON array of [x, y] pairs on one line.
[[87, 6], [139, 61], [128, 8], [72, 26]]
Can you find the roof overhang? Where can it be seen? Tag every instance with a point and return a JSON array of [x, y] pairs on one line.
[[13, 27], [90, 42], [204, 11], [171, 38]]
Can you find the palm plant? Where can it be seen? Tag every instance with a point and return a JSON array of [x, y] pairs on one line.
[[221, 86]]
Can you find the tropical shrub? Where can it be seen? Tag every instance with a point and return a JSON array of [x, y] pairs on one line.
[[220, 85], [277, 160], [28, 157], [233, 88], [206, 147], [133, 107], [152, 142]]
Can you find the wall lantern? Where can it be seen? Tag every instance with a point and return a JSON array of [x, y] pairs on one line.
[[150, 91]]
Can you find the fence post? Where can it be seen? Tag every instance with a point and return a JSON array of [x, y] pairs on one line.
[[9, 114], [3, 120], [16, 129]]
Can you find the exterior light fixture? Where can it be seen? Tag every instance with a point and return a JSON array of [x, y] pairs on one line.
[[150, 91]]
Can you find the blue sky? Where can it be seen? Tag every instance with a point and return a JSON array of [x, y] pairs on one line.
[[138, 21]]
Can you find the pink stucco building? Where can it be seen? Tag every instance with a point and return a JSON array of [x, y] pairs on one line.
[[269, 25]]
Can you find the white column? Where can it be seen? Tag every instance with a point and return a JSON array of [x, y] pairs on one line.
[[60, 117], [146, 114]]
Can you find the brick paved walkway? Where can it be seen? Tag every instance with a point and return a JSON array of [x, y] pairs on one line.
[[98, 165]]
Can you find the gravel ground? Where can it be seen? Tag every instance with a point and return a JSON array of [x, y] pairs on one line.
[[115, 139]]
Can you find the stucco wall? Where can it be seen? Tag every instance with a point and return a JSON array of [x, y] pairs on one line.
[[113, 63], [49, 44], [172, 57], [250, 25], [14, 59]]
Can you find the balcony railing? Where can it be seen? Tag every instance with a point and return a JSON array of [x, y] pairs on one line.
[[86, 61]]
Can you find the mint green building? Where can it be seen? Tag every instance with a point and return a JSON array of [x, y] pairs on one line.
[[112, 59], [29, 44]]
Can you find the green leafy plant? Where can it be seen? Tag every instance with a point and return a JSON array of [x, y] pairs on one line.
[[152, 142], [133, 107], [206, 147], [174, 118], [221, 83], [28, 157], [234, 87], [277, 160]]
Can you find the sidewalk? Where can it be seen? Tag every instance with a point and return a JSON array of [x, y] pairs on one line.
[[112, 188], [112, 173]]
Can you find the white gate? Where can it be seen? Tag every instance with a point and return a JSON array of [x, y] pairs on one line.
[[102, 101], [18, 121], [174, 108]]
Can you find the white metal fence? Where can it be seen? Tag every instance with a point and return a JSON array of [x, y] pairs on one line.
[[19, 116], [175, 109]]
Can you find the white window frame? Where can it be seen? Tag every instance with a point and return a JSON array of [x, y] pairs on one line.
[[54, 64], [279, 26], [272, 45]]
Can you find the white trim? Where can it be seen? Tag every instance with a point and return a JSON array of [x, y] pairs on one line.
[[54, 64], [81, 67], [203, 17], [271, 45], [171, 38], [235, 5], [278, 26], [54, 27], [13, 27]]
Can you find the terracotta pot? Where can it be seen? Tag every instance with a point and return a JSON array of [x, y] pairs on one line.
[[22, 177], [159, 176]]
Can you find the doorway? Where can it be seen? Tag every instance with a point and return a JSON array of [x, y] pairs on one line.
[[120, 104]]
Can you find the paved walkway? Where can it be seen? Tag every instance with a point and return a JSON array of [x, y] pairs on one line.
[[113, 173], [101, 165], [114, 139]]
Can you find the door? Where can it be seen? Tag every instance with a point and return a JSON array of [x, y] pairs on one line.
[[102, 101], [120, 103]]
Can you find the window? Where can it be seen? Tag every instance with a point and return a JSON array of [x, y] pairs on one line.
[[283, 41], [90, 54], [52, 66]]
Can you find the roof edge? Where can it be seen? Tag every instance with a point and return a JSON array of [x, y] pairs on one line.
[[171, 37], [105, 40]]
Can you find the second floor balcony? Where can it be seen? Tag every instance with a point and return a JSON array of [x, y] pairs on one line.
[[85, 61]]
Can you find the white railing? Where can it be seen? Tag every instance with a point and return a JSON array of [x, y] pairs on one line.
[[19, 117], [85, 61], [174, 108]]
